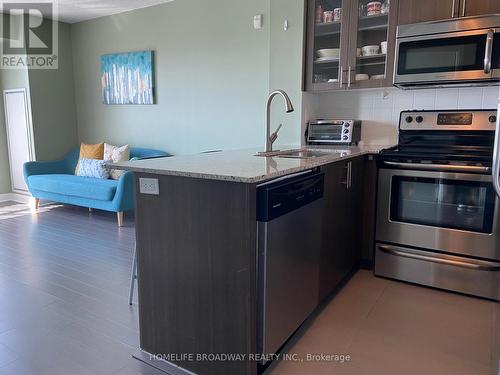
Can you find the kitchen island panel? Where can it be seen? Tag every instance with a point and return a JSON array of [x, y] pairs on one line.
[[197, 271]]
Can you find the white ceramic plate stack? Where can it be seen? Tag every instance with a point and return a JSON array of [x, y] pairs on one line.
[[328, 54]]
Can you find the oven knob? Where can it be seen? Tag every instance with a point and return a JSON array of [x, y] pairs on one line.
[[347, 125], [409, 119], [346, 131], [419, 119], [345, 137], [492, 119]]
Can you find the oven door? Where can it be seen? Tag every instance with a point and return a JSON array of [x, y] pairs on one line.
[[442, 211], [445, 58]]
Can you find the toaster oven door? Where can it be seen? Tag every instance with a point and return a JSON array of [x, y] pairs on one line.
[[325, 133]]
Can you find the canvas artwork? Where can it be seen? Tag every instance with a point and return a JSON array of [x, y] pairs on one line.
[[127, 78]]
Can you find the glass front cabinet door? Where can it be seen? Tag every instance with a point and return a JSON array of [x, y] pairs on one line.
[[327, 41], [350, 44]]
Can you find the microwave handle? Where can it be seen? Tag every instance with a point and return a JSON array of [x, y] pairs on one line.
[[488, 51]]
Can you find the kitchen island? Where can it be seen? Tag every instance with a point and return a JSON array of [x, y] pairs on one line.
[[197, 250]]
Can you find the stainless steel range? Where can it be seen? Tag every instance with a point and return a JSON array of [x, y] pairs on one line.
[[438, 217]]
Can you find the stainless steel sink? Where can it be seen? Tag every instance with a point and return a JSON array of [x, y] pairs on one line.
[[295, 154]]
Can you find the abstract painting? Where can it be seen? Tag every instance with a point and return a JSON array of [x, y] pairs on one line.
[[127, 78]]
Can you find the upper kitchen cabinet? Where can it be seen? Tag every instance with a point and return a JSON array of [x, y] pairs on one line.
[[479, 7], [327, 41], [415, 11], [350, 44], [372, 43]]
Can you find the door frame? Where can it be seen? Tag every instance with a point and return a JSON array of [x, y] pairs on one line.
[[31, 139]]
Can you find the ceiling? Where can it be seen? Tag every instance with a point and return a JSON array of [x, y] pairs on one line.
[[72, 11]]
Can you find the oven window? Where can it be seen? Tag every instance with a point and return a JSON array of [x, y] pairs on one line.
[[463, 205], [442, 55]]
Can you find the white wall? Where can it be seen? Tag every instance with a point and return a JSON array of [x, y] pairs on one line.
[[379, 109]]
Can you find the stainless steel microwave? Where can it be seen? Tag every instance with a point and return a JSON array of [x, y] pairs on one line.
[[463, 51]]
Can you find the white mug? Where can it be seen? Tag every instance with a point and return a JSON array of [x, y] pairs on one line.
[[383, 47], [337, 14]]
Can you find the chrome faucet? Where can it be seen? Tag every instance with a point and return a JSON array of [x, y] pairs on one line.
[[271, 138]]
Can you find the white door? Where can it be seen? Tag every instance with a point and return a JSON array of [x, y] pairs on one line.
[[19, 135]]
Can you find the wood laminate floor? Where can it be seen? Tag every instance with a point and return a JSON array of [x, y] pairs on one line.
[[64, 276]]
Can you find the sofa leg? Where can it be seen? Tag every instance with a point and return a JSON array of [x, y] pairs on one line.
[[119, 215], [90, 210], [37, 203]]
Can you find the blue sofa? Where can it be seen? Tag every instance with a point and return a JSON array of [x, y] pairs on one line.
[[56, 181]]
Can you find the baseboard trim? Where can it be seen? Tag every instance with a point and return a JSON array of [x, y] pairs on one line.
[[20, 198], [160, 364]]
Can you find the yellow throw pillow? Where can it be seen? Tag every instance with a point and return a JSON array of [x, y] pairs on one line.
[[90, 152]]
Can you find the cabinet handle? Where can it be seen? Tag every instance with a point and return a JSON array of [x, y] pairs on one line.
[[349, 78], [349, 175], [453, 9], [464, 6], [341, 76]]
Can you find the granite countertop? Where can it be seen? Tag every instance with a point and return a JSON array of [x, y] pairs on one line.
[[243, 165]]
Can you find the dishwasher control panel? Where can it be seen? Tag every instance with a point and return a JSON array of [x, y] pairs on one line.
[[277, 199]]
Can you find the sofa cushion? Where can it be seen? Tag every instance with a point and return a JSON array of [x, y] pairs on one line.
[[92, 168], [75, 186]]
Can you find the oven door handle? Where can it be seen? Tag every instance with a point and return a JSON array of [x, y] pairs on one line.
[[475, 265], [496, 157], [440, 167]]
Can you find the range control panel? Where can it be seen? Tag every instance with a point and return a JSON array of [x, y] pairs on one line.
[[477, 120]]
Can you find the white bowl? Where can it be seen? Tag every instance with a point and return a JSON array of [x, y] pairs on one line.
[[328, 52], [370, 50], [362, 77]]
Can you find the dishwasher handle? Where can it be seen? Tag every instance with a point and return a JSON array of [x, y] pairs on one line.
[[275, 200]]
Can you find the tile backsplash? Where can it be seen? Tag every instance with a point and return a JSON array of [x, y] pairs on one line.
[[379, 109]]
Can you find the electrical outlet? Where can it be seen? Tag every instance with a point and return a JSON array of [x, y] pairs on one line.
[[149, 186]]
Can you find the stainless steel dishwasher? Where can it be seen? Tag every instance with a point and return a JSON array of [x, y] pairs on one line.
[[289, 212]]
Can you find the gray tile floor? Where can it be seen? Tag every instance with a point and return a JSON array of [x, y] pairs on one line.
[[64, 277], [388, 327]]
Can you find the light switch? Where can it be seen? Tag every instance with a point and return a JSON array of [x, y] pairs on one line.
[[257, 22], [149, 186]]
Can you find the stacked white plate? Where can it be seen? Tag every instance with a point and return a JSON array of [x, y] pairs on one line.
[[332, 53]]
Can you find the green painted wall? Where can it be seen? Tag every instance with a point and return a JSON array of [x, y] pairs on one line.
[[53, 103], [212, 76], [9, 79]]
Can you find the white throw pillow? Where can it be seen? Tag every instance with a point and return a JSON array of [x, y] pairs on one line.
[[116, 154]]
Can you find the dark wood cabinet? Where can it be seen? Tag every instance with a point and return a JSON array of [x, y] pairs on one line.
[[369, 211], [342, 223], [479, 7], [415, 11]]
